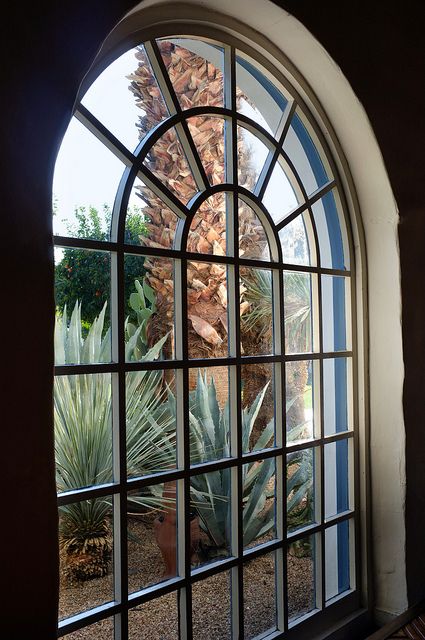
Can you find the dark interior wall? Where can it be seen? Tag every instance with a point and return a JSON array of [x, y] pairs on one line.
[[46, 48], [380, 47]]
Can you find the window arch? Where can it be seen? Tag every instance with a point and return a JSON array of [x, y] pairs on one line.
[[236, 343]]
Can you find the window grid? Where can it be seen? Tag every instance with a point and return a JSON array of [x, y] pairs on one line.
[[119, 367]]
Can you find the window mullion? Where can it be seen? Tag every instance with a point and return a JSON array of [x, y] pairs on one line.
[[280, 441], [117, 503], [103, 134], [160, 190]]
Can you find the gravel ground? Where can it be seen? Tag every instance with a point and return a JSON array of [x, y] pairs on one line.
[[158, 620]]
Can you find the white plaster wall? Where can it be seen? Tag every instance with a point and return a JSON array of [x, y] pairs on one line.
[[379, 219]]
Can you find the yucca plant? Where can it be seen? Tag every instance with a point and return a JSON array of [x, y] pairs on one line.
[[83, 437]]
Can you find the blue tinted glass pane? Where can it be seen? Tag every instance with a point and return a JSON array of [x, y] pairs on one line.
[[335, 396], [258, 97], [331, 245], [337, 547], [334, 313], [304, 154], [336, 478]]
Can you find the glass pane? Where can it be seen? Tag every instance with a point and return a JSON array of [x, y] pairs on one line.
[[258, 406], [209, 414], [280, 197], [195, 69], [83, 430], [256, 292], [337, 465], [334, 313], [259, 495], [149, 222], [208, 135], [151, 422], [207, 310], [167, 161], [337, 549], [211, 608], [258, 97], [126, 98], [253, 242], [331, 234], [300, 488], [86, 555], [259, 589], [149, 308], [85, 182], [207, 232], [301, 567], [210, 529], [152, 535], [252, 154], [99, 630], [304, 153], [82, 294], [298, 312], [157, 619], [302, 396], [295, 244], [336, 409]]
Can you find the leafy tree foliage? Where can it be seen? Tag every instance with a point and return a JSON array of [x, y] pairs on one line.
[[85, 275]]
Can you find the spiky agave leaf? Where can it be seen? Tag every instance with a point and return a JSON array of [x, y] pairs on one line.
[[299, 488], [210, 492]]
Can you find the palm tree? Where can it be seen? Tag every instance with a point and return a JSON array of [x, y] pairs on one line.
[[196, 82]]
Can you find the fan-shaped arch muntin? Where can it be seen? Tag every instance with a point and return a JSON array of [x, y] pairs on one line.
[[135, 167]]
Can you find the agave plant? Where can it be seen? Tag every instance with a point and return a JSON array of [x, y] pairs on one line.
[[210, 492], [83, 437], [209, 440]]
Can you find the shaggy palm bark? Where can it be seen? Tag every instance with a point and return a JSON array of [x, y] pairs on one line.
[[196, 82]]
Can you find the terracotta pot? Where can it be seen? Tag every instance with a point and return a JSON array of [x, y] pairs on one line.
[[165, 526]]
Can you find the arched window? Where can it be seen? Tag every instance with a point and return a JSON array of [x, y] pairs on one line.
[[205, 413]]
